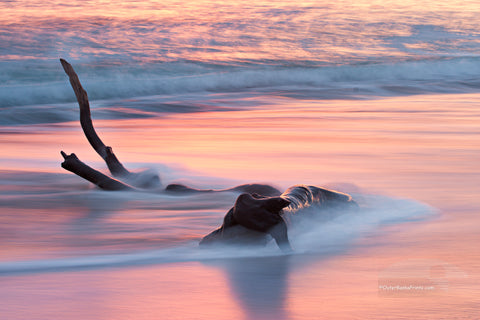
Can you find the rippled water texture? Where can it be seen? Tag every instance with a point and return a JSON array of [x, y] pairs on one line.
[[332, 49], [317, 32], [379, 99]]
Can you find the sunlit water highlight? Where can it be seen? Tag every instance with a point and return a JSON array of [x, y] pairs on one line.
[[326, 49], [378, 99], [415, 178]]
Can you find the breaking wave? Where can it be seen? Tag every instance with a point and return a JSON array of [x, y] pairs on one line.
[[45, 83]]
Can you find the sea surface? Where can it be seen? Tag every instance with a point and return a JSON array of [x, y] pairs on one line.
[[379, 99]]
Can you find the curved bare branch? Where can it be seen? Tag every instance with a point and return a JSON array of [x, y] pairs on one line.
[[73, 164], [114, 165]]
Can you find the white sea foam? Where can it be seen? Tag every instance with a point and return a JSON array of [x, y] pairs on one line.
[[48, 85], [165, 220]]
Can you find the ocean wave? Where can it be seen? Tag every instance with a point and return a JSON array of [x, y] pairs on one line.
[[310, 235], [46, 84]]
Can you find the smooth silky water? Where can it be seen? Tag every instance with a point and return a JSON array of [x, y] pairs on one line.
[[376, 99]]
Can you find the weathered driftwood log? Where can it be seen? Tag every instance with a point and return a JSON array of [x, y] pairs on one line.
[[253, 188], [142, 180], [129, 180], [114, 165], [258, 212], [73, 164], [253, 217]]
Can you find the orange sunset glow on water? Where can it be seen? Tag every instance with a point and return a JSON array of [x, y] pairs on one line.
[[376, 99], [238, 31]]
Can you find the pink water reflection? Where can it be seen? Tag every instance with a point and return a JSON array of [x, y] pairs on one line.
[[230, 32], [429, 137], [422, 148]]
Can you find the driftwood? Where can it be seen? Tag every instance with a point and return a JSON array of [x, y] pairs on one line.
[[114, 165], [257, 212], [124, 179], [253, 217], [73, 164]]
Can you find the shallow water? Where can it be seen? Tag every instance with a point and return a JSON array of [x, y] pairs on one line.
[[377, 99], [410, 162]]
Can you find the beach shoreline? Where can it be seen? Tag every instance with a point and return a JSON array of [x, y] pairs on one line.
[[417, 148]]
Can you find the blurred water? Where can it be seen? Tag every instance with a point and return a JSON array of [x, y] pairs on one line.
[[383, 146], [328, 49], [376, 98]]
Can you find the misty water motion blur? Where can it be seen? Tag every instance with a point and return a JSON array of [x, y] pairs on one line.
[[152, 59], [303, 50], [378, 99]]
